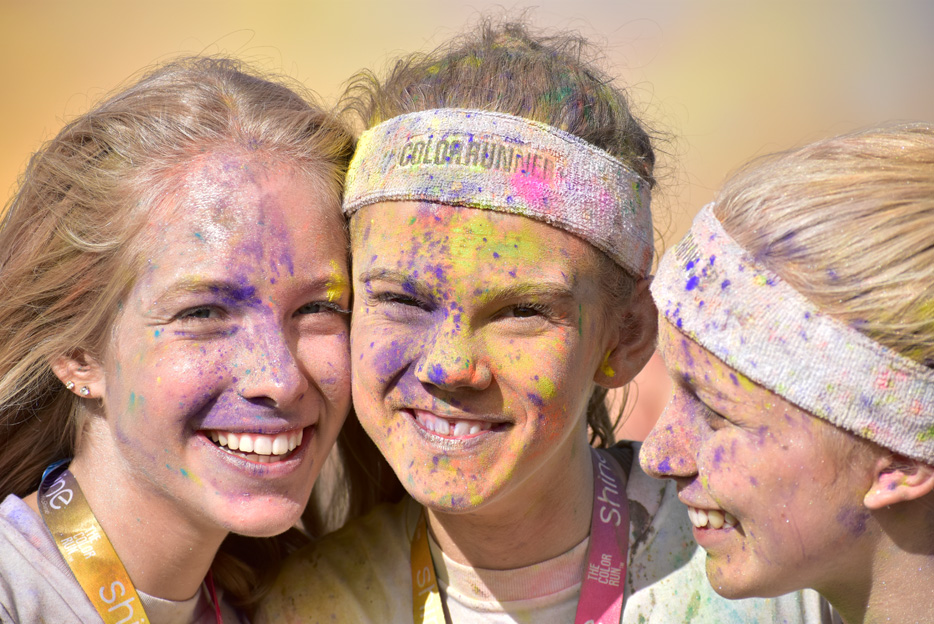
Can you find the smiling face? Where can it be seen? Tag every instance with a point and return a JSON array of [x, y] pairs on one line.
[[232, 337], [476, 336], [774, 494]]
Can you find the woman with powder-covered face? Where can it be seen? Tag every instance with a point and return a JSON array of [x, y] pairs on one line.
[[174, 341], [796, 323], [502, 241]]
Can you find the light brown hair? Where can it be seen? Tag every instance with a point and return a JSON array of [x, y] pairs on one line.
[[68, 252], [553, 79], [849, 223]]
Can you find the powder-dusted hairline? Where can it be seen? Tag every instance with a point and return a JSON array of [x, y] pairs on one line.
[[550, 78], [712, 289], [506, 164]]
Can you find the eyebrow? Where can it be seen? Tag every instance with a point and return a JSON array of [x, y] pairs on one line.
[[545, 289], [231, 292]]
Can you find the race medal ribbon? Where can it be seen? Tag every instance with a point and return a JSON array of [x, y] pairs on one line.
[[86, 549], [601, 597]]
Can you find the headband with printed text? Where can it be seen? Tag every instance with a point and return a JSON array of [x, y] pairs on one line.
[[494, 161], [715, 292]]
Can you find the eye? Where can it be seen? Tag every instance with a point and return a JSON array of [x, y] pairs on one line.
[[321, 307], [715, 419], [526, 310], [199, 313], [394, 298]]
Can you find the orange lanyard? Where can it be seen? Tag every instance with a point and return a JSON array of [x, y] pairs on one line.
[[86, 549]]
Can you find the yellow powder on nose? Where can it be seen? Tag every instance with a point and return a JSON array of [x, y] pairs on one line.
[[336, 285]]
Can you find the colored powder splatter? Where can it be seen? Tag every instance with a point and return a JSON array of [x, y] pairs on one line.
[[336, 285], [546, 388], [664, 466], [190, 475], [692, 283], [605, 368]]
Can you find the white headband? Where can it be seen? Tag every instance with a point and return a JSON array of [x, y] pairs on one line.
[[717, 294], [508, 164]]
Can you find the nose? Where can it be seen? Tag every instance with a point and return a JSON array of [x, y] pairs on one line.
[[269, 371], [670, 449], [453, 359]]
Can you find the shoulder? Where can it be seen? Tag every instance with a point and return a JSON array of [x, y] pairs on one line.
[[360, 573], [35, 582]]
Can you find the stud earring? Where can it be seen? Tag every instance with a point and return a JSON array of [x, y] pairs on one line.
[[70, 385], [85, 391]]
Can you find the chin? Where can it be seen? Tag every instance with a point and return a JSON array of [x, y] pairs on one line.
[[264, 518], [733, 588]]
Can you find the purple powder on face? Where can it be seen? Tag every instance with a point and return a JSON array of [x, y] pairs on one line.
[[854, 519], [718, 454], [692, 283], [436, 374], [535, 399], [664, 466]]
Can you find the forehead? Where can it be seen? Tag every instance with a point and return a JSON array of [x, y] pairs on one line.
[[219, 193], [434, 232], [710, 378]]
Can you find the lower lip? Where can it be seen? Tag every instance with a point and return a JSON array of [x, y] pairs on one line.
[[708, 538], [293, 460]]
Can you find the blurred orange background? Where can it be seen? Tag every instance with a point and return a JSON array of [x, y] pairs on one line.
[[726, 81]]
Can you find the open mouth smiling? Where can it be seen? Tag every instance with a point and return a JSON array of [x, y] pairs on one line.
[[257, 447], [452, 428], [711, 518]]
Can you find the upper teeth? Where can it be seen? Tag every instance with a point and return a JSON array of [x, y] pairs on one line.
[[259, 443], [714, 517], [451, 427]]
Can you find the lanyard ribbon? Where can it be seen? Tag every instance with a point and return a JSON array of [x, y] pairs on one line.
[[86, 549], [601, 597]]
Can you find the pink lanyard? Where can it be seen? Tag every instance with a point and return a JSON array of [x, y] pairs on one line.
[[601, 597]]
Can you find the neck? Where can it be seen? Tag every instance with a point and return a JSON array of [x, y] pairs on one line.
[[164, 554], [544, 517], [898, 584]]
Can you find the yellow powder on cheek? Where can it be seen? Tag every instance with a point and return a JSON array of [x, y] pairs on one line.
[[546, 388]]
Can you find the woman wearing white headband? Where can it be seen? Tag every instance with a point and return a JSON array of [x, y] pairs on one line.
[[502, 240], [798, 326]]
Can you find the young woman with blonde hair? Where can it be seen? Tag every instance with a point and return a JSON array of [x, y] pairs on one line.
[[173, 346], [797, 322], [502, 242]]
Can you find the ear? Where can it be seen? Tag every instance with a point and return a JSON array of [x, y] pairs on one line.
[[897, 479], [80, 373], [633, 340]]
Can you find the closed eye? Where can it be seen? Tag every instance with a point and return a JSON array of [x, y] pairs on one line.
[[526, 310], [200, 313], [321, 307], [395, 298]]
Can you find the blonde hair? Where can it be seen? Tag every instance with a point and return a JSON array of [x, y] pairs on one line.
[[67, 242], [553, 79], [848, 222]]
